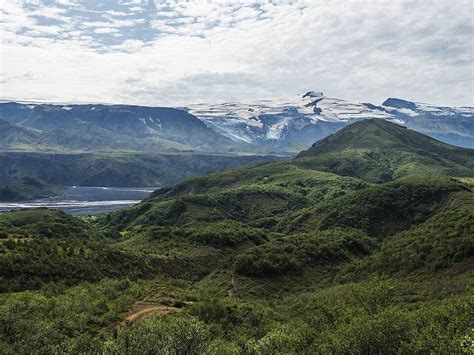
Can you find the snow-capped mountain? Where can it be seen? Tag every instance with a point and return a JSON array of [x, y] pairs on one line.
[[278, 126], [297, 122]]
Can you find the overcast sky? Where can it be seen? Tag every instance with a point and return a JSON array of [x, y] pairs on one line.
[[176, 52]]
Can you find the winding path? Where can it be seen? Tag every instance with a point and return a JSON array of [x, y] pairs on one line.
[[142, 310]]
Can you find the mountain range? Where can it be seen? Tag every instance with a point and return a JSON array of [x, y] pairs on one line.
[[294, 123], [277, 126]]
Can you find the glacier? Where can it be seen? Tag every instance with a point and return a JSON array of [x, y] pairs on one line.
[[296, 122]]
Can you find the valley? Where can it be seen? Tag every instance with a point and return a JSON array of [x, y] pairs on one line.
[[363, 243], [45, 147], [30, 176], [78, 200]]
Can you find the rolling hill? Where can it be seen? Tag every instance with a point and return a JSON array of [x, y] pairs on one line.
[[378, 150], [360, 154]]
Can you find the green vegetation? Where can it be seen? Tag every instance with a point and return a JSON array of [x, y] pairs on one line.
[[273, 258], [106, 128], [443, 240], [290, 254], [25, 188], [55, 320], [378, 151], [43, 246], [25, 176], [381, 210]]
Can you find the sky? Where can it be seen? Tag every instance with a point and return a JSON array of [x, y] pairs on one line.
[[172, 53]]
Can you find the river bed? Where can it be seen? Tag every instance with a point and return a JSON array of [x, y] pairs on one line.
[[80, 200]]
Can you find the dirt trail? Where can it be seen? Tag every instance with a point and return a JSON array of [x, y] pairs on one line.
[[142, 310], [233, 285]]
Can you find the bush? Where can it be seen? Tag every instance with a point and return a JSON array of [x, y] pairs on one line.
[[292, 253], [159, 335]]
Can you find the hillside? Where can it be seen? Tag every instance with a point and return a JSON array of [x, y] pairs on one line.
[[364, 152], [24, 188], [116, 170], [381, 134], [12, 135], [278, 257], [108, 128], [378, 150]]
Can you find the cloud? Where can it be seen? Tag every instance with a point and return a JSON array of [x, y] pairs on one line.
[[49, 12], [179, 52], [113, 22], [106, 30]]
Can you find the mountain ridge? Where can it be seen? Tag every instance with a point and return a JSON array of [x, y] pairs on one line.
[[268, 126], [380, 134], [278, 121], [114, 127], [379, 150]]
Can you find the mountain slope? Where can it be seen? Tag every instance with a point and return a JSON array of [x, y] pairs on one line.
[[116, 170], [291, 123], [24, 188], [371, 150], [379, 150], [13, 135], [113, 127], [285, 125], [452, 125], [294, 123], [287, 218]]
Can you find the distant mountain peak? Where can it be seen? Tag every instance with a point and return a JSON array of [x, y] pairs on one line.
[[313, 94], [399, 103]]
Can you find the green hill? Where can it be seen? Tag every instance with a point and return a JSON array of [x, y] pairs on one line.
[[261, 193], [24, 188], [378, 150], [11, 134], [281, 257], [120, 169]]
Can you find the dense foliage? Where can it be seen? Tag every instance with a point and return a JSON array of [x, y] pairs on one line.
[[292, 253], [381, 210], [56, 319]]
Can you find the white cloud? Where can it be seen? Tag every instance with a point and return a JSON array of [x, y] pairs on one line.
[[116, 13], [212, 51], [166, 14], [49, 12], [113, 22], [135, 9], [106, 30]]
